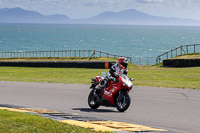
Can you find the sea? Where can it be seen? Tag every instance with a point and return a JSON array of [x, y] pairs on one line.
[[125, 40]]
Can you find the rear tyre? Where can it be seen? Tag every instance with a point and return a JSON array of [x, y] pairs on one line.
[[93, 101], [123, 103]]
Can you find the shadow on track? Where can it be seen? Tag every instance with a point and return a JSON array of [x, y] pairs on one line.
[[93, 110]]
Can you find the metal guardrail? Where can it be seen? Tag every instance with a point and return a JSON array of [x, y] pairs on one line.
[[185, 49]]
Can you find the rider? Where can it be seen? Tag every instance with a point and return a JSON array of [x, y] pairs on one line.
[[115, 71]]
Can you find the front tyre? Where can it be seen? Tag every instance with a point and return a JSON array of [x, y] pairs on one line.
[[123, 102], [92, 100]]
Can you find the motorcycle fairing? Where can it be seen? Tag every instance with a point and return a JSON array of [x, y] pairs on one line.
[[111, 90]]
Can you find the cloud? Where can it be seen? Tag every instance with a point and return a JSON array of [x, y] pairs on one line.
[[149, 1]]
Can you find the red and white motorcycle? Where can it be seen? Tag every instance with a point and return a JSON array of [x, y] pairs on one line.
[[115, 95]]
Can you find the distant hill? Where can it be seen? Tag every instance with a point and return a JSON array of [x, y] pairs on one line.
[[134, 17], [125, 17], [18, 15]]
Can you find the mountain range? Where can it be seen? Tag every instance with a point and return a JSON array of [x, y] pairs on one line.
[[125, 17], [19, 15]]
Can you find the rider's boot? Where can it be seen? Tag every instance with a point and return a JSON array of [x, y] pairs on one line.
[[100, 87]]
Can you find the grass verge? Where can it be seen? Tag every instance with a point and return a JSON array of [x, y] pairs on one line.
[[16, 122], [188, 56], [144, 75]]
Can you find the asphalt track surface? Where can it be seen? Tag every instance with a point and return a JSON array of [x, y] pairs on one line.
[[177, 110]]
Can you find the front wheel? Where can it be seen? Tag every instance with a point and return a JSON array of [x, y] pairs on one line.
[[93, 101], [122, 102]]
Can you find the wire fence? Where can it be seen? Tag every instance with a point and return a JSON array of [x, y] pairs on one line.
[[60, 54], [76, 53], [40, 54], [143, 60], [186, 49]]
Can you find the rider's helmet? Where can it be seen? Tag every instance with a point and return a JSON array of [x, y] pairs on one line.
[[123, 62]]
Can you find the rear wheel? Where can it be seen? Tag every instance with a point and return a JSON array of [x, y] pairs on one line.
[[93, 101], [122, 102]]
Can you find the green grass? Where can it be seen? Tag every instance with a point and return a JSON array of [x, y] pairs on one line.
[[188, 56], [144, 75], [15, 122], [166, 77]]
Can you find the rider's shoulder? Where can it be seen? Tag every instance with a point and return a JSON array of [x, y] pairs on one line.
[[114, 66]]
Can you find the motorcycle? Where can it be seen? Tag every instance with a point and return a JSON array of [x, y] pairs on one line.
[[114, 95]]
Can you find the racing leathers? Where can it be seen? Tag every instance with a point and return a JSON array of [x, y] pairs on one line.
[[113, 74]]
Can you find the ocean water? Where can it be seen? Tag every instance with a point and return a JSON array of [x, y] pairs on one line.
[[133, 41]]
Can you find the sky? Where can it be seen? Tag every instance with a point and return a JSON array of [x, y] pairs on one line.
[[88, 8]]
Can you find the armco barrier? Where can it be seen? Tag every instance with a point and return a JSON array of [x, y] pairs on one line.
[[181, 63], [59, 64]]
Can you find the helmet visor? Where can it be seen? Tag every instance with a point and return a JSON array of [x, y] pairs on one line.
[[124, 64]]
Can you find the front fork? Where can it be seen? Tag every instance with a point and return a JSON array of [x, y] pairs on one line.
[[94, 87], [121, 96]]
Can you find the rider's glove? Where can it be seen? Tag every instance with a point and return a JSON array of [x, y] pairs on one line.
[[112, 78], [115, 74]]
